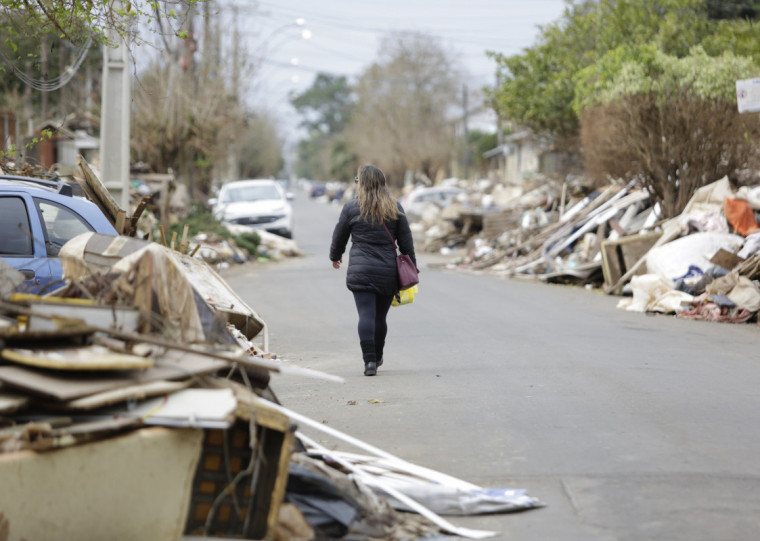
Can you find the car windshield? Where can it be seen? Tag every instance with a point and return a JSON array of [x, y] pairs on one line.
[[261, 192]]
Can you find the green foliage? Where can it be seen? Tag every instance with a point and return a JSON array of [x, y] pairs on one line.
[[76, 20], [735, 9], [480, 143], [202, 221], [741, 37], [248, 241], [646, 69], [670, 122], [260, 148], [538, 86], [326, 108], [327, 105], [42, 60]]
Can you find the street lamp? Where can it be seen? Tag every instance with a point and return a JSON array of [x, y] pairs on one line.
[[299, 22]]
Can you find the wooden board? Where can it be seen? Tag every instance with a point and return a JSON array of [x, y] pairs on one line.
[[93, 314], [65, 386], [11, 402], [133, 392], [60, 329], [619, 256], [76, 358]]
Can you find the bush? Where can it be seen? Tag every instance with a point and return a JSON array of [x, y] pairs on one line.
[[202, 221]]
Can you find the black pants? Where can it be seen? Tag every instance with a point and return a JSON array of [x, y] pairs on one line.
[[373, 309]]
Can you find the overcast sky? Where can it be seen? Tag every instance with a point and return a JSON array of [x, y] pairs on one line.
[[345, 35]]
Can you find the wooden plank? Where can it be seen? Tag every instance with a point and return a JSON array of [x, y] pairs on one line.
[[125, 318], [276, 448], [12, 402], [183, 244], [76, 358], [97, 192], [621, 255], [132, 392], [121, 221], [172, 365]]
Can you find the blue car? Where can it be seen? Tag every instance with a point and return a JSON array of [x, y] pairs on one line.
[[37, 217]]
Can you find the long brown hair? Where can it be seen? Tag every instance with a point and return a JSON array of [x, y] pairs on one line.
[[375, 202]]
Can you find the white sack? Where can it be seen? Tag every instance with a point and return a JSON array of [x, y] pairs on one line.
[[715, 223], [739, 289], [502, 195], [746, 294], [672, 260], [653, 293], [672, 302], [751, 246]]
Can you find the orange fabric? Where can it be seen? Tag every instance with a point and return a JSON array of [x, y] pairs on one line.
[[740, 216]]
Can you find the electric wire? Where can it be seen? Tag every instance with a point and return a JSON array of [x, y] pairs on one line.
[[56, 83]]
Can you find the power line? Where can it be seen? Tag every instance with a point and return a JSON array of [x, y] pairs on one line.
[[50, 85]]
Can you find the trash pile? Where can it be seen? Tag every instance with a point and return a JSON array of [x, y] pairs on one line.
[[136, 399], [158, 200], [702, 264]]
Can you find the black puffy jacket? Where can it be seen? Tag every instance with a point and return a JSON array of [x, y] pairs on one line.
[[372, 259]]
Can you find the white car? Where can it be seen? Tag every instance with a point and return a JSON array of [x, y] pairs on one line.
[[415, 201], [257, 203]]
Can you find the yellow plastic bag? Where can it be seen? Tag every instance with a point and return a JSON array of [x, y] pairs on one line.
[[405, 296]]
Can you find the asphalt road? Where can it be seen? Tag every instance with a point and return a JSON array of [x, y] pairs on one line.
[[627, 426]]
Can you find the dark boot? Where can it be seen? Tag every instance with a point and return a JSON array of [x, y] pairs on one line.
[[370, 358], [370, 368], [379, 352]]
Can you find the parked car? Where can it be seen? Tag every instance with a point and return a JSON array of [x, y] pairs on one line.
[[286, 187], [38, 217], [415, 201], [318, 189], [257, 203]]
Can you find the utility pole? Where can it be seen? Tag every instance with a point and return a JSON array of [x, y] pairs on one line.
[[114, 118], [466, 134], [502, 167]]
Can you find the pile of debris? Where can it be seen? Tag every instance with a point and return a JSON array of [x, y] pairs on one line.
[[163, 201], [147, 375], [613, 238]]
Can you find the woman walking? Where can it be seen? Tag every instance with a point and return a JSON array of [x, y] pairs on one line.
[[370, 219]]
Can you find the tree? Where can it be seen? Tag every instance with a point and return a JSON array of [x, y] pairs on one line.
[[672, 123], [259, 148], [76, 20], [538, 88], [402, 121], [736, 9], [47, 75], [478, 143], [326, 108], [189, 114], [650, 104]]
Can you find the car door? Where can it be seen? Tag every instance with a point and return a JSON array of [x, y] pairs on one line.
[[22, 242], [60, 224]]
